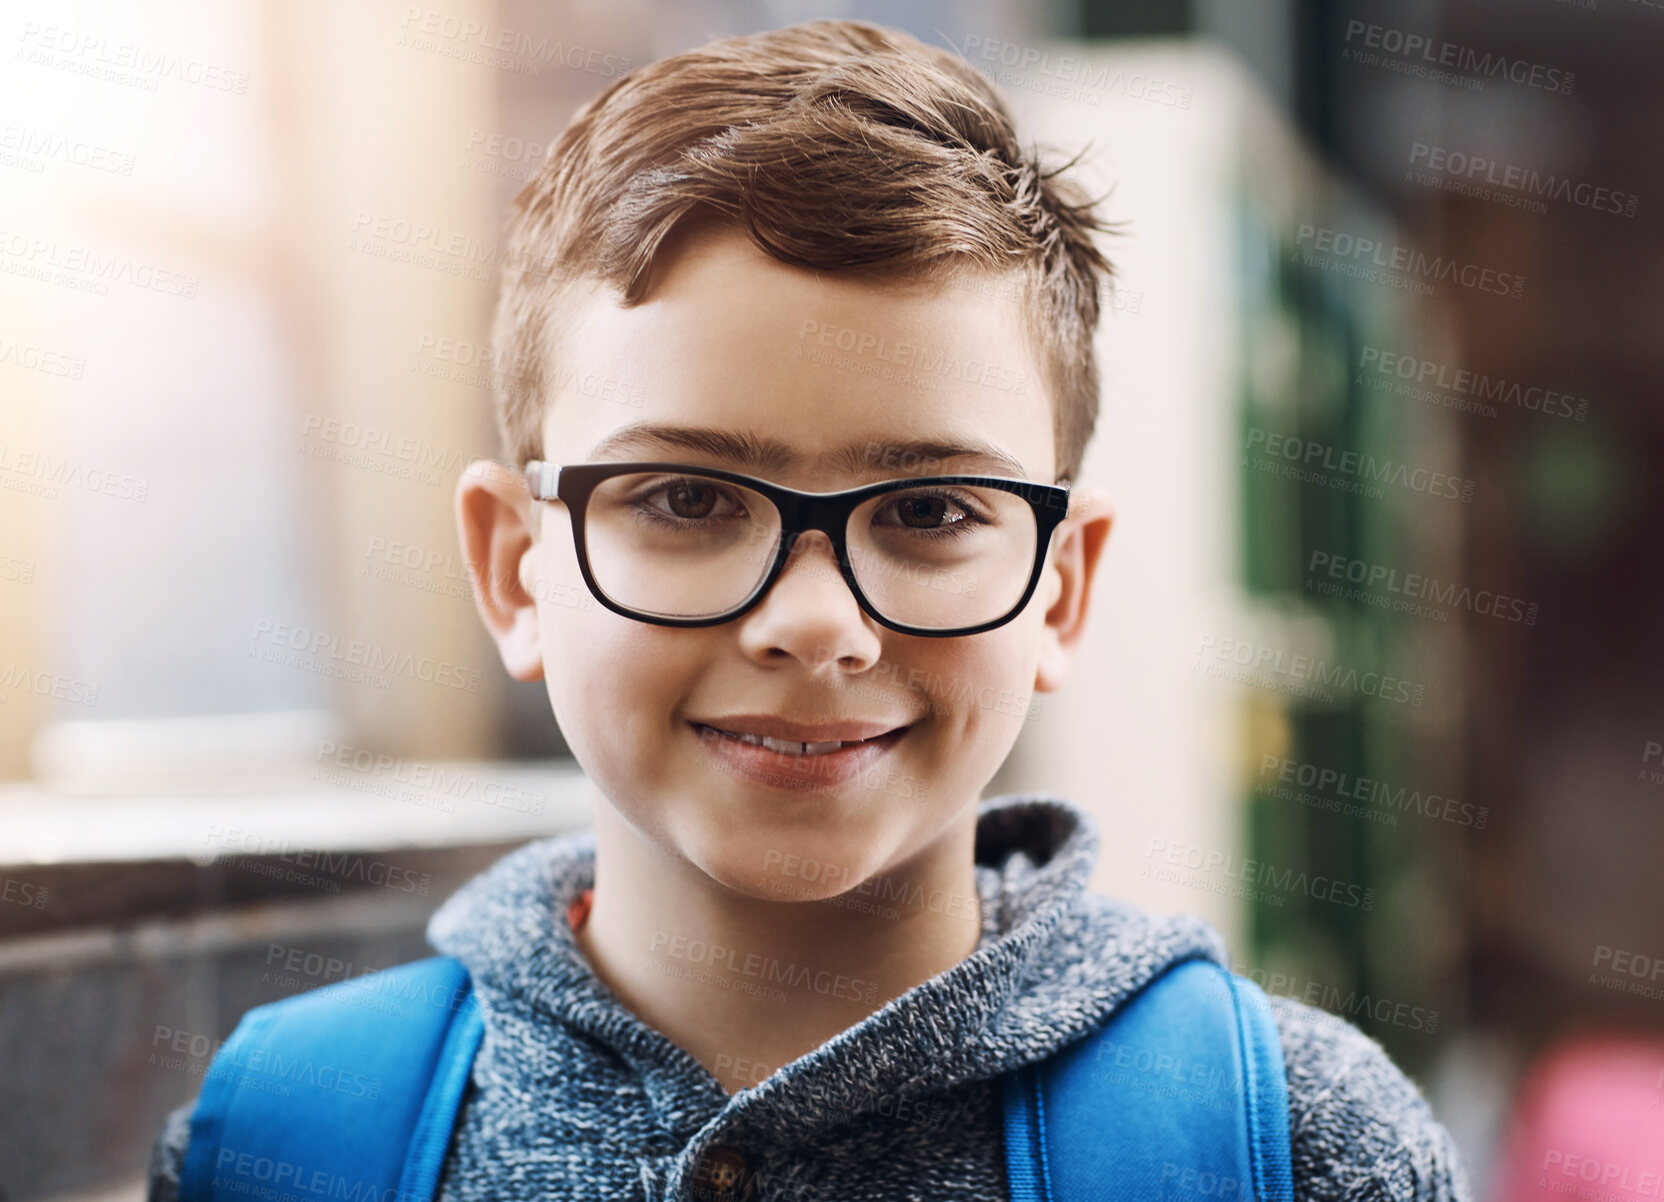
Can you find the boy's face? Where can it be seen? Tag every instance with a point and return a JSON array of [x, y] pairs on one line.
[[731, 341]]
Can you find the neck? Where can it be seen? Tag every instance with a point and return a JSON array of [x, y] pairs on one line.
[[747, 985]]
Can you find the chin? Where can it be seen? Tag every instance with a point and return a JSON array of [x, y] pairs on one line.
[[795, 866]]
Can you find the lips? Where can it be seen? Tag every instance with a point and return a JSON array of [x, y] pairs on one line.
[[796, 756]]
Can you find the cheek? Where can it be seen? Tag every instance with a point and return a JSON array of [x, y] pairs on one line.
[[615, 686], [573, 629], [618, 688], [978, 693], [979, 680]]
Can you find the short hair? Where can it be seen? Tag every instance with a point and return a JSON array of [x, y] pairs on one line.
[[836, 145]]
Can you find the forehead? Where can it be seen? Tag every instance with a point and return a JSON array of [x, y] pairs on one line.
[[736, 359]]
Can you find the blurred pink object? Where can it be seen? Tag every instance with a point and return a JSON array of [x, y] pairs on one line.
[[1588, 1124]]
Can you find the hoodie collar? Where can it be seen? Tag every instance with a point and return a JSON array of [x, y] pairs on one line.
[[1054, 961]]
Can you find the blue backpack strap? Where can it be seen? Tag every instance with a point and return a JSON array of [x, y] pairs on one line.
[[1182, 1093], [348, 1091]]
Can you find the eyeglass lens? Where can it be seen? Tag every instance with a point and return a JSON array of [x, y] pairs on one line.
[[682, 545]]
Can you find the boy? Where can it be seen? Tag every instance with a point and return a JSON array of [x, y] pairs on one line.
[[796, 953]]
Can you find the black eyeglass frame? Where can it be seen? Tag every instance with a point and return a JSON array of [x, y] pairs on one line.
[[800, 512]]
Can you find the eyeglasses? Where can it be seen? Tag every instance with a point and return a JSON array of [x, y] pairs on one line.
[[679, 545]]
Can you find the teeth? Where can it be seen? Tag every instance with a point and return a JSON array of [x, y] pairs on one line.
[[788, 746]]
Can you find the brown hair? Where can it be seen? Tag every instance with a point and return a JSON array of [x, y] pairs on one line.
[[836, 145]]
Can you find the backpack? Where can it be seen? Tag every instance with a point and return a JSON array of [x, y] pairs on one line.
[[352, 1090]]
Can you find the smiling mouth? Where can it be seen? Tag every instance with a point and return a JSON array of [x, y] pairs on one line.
[[792, 746]]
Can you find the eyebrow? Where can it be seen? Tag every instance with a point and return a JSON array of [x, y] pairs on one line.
[[764, 454]]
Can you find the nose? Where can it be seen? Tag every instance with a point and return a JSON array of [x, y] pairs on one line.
[[810, 614]]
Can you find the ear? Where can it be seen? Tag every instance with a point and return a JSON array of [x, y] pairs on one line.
[[1080, 542], [493, 512]]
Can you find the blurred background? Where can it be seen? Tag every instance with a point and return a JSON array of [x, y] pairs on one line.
[[1375, 680]]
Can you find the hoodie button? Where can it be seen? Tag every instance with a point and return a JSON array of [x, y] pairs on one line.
[[724, 1176]]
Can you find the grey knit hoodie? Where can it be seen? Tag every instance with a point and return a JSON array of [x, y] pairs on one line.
[[574, 1097]]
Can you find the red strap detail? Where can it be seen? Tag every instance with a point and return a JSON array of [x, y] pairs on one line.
[[578, 911]]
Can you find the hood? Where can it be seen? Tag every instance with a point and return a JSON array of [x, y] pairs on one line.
[[1054, 961]]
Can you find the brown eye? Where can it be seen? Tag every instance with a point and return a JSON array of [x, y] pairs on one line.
[[690, 500], [923, 513], [929, 511]]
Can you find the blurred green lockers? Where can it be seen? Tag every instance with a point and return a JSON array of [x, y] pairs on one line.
[[1307, 324]]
